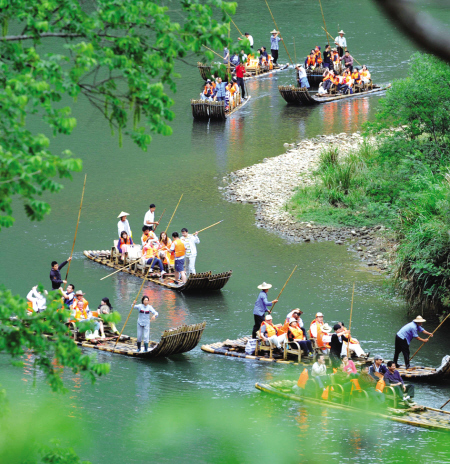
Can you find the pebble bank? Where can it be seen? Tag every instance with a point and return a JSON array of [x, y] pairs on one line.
[[270, 185]]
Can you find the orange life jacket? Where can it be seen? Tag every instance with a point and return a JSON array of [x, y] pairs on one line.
[[271, 329], [232, 88], [356, 77], [380, 385], [303, 378], [318, 55], [149, 251], [311, 60], [319, 328], [180, 249], [335, 56], [320, 342], [327, 77], [75, 307], [297, 333], [355, 385]]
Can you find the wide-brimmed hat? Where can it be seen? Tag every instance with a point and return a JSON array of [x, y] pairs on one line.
[[264, 286], [274, 31], [298, 310], [319, 314], [326, 328], [292, 319], [419, 319], [268, 317], [122, 214], [79, 292], [341, 32]]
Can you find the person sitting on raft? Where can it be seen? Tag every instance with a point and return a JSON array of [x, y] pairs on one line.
[[148, 234], [165, 244], [365, 75], [319, 372], [68, 295], [295, 333], [302, 77], [354, 346], [348, 366], [123, 244], [328, 80], [208, 91], [377, 369], [82, 315], [310, 61], [348, 61], [369, 384], [323, 339], [269, 332], [143, 322], [232, 90], [393, 378], [263, 57], [106, 308], [346, 83], [295, 313], [37, 302], [150, 254], [316, 326], [356, 76], [318, 55]]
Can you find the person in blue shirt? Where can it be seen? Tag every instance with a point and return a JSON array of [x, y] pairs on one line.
[[220, 90], [274, 46], [404, 337], [377, 369], [262, 306]]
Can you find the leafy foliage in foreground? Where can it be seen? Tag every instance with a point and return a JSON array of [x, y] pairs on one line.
[[118, 54], [20, 332], [403, 181]]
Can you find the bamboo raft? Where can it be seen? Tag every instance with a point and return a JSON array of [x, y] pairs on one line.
[[301, 96], [173, 341], [202, 282], [253, 73], [236, 349], [418, 416], [205, 110]]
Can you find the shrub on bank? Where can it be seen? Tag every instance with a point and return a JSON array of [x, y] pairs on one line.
[[402, 181]]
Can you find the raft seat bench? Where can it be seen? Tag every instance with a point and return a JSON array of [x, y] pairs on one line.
[[292, 348], [261, 346], [359, 398], [336, 391], [391, 395]]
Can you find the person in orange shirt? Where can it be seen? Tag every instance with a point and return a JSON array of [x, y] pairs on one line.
[[310, 62], [178, 251], [165, 244], [365, 75], [356, 76], [318, 55], [150, 254]]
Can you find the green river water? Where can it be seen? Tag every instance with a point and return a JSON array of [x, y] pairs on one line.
[[200, 407]]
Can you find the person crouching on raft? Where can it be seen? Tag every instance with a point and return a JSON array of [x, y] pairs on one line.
[[143, 322]]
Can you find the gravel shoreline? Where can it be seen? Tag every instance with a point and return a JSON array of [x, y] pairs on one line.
[[270, 185]]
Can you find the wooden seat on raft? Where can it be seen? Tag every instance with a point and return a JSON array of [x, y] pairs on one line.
[[264, 346], [337, 393], [292, 349], [359, 399], [391, 396], [312, 389]]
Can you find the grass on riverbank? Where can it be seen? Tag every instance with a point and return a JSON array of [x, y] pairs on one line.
[[401, 181]]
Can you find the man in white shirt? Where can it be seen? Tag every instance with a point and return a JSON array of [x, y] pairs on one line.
[[37, 299], [341, 43], [190, 242], [249, 37], [123, 225], [319, 372], [149, 218]]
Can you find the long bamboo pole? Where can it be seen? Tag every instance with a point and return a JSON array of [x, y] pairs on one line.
[[282, 290], [132, 306], [295, 52], [350, 323], [201, 230], [159, 220], [220, 56], [276, 27], [235, 25], [333, 42], [174, 213], [323, 17], [76, 228], [445, 404], [418, 349]]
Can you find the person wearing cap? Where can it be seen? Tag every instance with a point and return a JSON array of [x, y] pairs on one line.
[[79, 296], [393, 378], [249, 38], [337, 339], [123, 225], [274, 46], [327, 57], [269, 332], [143, 322], [404, 337], [149, 218], [262, 306], [377, 369], [240, 72], [295, 333], [341, 42], [55, 274], [316, 325], [302, 77]]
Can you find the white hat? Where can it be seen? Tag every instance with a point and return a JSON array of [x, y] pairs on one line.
[[319, 314], [264, 286], [268, 317], [273, 31], [419, 319], [292, 319], [341, 32], [326, 328], [122, 214]]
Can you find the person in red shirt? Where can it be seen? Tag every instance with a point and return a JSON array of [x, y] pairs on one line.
[[240, 71]]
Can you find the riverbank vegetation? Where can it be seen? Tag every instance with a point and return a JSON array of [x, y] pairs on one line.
[[400, 178]]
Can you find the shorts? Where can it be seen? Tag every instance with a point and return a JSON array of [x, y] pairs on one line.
[[179, 264]]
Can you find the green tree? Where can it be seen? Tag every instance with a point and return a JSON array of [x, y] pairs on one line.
[[121, 55]]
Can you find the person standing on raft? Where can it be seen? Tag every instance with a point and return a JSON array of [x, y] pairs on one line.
[[261, 307], [55, 275], [404, 337], [123, 225], [143, 322]]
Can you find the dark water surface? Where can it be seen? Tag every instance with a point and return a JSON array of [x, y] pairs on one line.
[[199, 407]]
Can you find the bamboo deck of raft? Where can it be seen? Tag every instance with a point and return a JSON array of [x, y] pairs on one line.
[[419, 416], [173, 341], [202, 282], [301, 96], [205, 71], [236, 349]]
